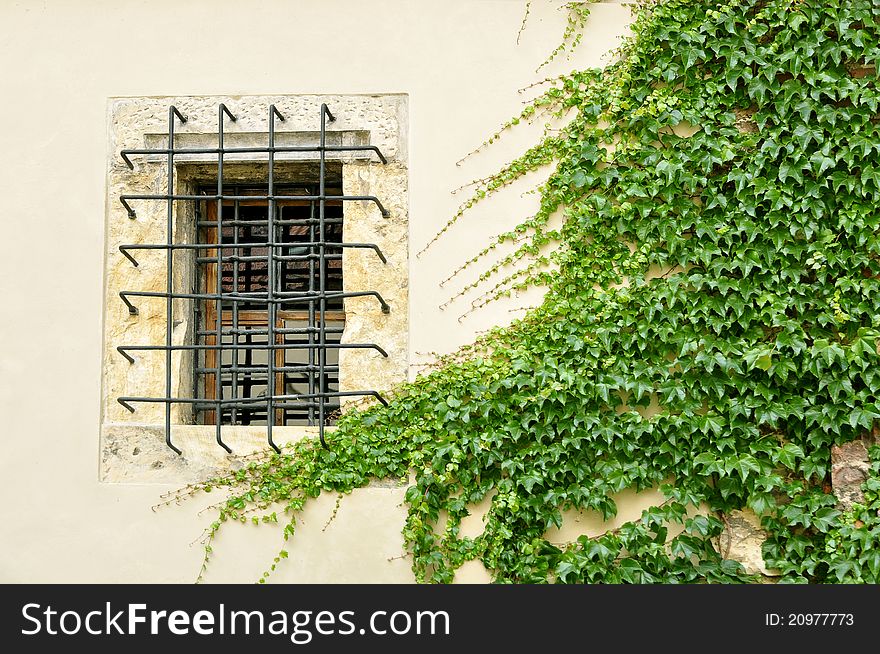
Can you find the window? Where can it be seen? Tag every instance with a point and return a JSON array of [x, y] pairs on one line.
[[255, 278], [304, 368]]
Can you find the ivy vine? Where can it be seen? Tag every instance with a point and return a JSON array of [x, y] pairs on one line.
[[710, 324]]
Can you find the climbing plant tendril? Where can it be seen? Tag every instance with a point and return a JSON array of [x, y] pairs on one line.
[[710, 326]]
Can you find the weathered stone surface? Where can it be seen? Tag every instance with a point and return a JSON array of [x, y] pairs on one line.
[[362, 369], [744, 120], [849, 470], [379, 120], [741, 541], [137, 453]]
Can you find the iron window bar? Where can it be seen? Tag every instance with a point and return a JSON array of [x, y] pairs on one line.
[[316, 401], [282, 297], [126, 154], [125, 349], [125, 401], [124, 199], [124, 249]]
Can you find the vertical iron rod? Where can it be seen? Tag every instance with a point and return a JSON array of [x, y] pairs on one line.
[[169, 272], [322, 288], [218, 356], [270, 328]]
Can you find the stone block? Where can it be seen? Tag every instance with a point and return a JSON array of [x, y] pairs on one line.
[[741, 541], [849, 470]]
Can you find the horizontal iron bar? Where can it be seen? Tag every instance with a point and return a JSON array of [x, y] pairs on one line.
[[216, 196], [126, 154], [287, 297], [231, 369], [232, 258], [240, 246], [234, 246], [309, 198], [256, 223], [255, 400], [212, 406], [251, 296], [277, 330], [125, 349], [254, 346]]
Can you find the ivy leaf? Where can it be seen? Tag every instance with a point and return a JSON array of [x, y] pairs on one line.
[[871, 560], [841, 568], [683, 547], [598, 550], [761, 357], [746, 465], [528, 482], [789, 454], [669, 170], [565, 570], [824, 518]]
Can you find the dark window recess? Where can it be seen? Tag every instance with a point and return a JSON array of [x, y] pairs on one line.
[[245, 243], [269, 297]]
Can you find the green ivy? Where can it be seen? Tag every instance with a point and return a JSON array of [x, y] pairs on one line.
[[710, 325]]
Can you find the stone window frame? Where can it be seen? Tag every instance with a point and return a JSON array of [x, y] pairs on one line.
[[133, 445]]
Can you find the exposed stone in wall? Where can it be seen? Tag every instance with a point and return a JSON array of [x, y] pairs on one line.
[[849, 470], [133, 447], [745, 121], [136, 453], [741, 541]]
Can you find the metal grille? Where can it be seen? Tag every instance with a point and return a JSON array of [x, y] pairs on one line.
[[269, 318]]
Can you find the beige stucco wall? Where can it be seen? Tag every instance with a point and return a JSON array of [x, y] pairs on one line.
[[60, 61]]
